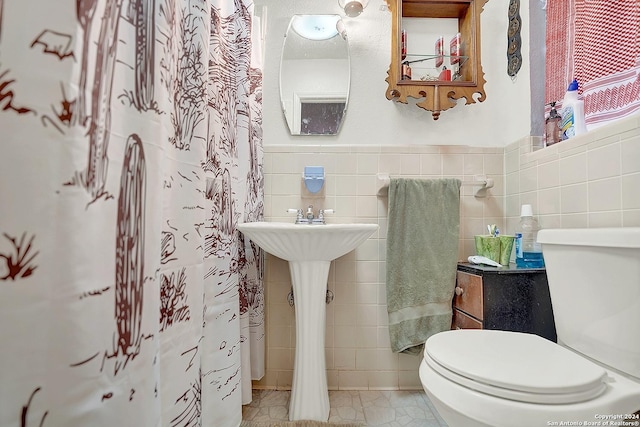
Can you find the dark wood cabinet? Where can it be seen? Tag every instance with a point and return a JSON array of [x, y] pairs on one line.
[[507, 298]]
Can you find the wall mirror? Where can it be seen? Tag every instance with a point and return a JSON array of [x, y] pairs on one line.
[[315, 74]]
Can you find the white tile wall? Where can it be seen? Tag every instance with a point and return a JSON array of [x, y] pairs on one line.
[[590, 181]]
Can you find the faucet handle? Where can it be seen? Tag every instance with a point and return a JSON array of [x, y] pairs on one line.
[[294, 210], [298, 213], [321, 213]]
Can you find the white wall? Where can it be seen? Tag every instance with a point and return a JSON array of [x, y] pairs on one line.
[[502, 118]]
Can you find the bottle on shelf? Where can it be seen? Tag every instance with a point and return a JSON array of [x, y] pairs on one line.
[[528, 250], [403, 44], [553, 130], [573, 122], [406, 71]]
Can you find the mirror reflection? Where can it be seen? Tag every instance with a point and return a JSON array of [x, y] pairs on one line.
[[314, 74]]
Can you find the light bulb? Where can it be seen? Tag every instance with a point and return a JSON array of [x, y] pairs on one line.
[[353, 8]]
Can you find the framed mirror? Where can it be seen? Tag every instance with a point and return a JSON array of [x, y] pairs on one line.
[[315, 74]]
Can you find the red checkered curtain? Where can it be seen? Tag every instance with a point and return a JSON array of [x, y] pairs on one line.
[[596, 42], [559, 68]]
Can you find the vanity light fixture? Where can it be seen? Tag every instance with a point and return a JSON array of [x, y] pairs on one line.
[[353, 8], [316, 27]]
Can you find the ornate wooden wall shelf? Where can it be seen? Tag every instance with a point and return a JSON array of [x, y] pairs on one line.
[[433, 94]]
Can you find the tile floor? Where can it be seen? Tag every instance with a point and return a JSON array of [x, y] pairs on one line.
[[372, 408]]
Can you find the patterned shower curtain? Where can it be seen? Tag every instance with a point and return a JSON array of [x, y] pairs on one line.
[[130, 148]]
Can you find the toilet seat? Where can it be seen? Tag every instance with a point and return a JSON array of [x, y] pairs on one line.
[[513, 365]]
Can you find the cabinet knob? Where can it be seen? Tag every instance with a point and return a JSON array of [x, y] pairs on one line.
[[459, 291]]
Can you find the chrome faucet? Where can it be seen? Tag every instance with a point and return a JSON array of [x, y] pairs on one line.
[[310, 213], [309, 217]]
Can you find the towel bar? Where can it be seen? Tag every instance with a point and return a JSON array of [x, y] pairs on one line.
[[383, 180]]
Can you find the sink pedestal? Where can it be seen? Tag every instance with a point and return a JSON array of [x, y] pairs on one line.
[[309, 391], [309, 249]]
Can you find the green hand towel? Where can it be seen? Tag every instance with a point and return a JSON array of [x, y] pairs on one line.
[[422, 256]]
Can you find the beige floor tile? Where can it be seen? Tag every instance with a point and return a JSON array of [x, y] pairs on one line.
[[372, 408]]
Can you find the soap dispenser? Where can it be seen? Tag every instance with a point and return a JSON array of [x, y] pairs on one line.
[[553, 129], [313, 178]]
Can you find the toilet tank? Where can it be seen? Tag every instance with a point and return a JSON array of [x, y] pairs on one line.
[[594, 282]]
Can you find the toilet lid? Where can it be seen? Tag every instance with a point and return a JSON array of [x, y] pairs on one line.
[[514, 365]]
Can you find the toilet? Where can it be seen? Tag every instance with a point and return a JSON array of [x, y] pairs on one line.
[[590, 377]]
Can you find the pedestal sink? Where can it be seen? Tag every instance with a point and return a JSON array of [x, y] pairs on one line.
[[309, 250]]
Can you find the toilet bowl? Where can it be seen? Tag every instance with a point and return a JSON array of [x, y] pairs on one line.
[[590, 377], [492, 378]]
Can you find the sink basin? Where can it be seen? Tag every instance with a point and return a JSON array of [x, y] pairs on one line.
[[309, 249], [303, 242]]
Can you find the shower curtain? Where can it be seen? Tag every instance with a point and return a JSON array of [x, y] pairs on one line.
[[130, 148]]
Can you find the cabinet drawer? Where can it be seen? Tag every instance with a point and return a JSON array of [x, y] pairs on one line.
[[468, 295], [463, 321]]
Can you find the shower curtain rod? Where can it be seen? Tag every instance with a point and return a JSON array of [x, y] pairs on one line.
[[383, 180]]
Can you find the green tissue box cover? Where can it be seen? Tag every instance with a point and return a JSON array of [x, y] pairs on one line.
[[497, 248]]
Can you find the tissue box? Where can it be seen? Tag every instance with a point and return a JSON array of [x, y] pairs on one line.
[[497, 248], [488, 246], [506, 246]]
